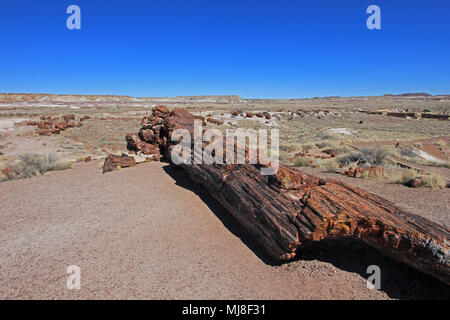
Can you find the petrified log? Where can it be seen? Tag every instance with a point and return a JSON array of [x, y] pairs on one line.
[[284, 210], [113, 162]]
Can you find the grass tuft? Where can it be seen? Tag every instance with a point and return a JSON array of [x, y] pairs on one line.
[[30, 165]]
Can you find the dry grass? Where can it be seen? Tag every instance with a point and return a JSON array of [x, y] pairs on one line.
[[332, 166], [308, 162], [303, 162], [440, 143], [434, 181], [431, 180], [30, 165], [402, 177]]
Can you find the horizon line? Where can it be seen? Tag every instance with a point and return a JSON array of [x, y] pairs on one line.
[[417, 94]]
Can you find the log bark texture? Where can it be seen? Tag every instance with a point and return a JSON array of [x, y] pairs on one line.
[[284, 210]]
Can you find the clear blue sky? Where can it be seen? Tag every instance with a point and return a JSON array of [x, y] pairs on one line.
[[253, 48]]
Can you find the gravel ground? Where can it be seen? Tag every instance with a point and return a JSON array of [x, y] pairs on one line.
[[149, 233]]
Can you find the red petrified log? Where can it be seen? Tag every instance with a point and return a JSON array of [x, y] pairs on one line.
[[285, 210], [113, 162]]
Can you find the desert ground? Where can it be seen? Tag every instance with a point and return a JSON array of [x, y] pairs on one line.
[[147, 232]]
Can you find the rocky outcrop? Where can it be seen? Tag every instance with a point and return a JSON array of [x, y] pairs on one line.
[[290, 208]]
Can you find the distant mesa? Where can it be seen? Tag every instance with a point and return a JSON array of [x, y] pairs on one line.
[[413, 94], [76, 98]]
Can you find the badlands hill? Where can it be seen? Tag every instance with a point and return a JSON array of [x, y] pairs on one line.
[[8, 98], [27, 98]]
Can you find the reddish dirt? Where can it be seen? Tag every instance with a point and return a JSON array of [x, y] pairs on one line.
[[148, 232], [428, 145]]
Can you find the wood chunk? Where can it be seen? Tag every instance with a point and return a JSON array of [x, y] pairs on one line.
[[113, 162]]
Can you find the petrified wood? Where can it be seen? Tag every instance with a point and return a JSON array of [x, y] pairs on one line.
[[113, 162], [284, 210]]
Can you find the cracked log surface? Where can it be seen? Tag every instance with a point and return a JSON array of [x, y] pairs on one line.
[[284, 210]]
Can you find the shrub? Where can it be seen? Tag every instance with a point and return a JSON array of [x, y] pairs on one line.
[[283, 157], [392, 150], [308, 146], [402, 177], [323, 144], [407, 152], [338, 149], [30, 165], [374, 156], [317, 163], [418, 145], [434, 181], [431, 180], [348, 159], [440, 143], [302, 162], [366, 157], [288, 146], [332, 166]]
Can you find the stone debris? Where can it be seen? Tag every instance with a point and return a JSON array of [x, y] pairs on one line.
[[48, 125]]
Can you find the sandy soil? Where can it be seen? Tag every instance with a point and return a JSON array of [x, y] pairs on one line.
[[148, 232]]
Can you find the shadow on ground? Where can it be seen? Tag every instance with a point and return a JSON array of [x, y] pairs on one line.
[[397, 280]]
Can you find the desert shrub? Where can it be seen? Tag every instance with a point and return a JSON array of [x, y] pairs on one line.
[[392, 150], [30, 165], [407, 152], [302, 162], [431, 180], [327, 136], [308, 146], [283, 157], [323, 144], [402, 177], [365, 157], [338, 149], [374, 156], [418, 145], [342, 149], [288, 147], [434, 181], [332, 166], [346, 160], [308, 162], [365, 175], [317, 163], [440, 143]]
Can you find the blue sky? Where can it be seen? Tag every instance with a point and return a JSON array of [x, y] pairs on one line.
[[256, 49]]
